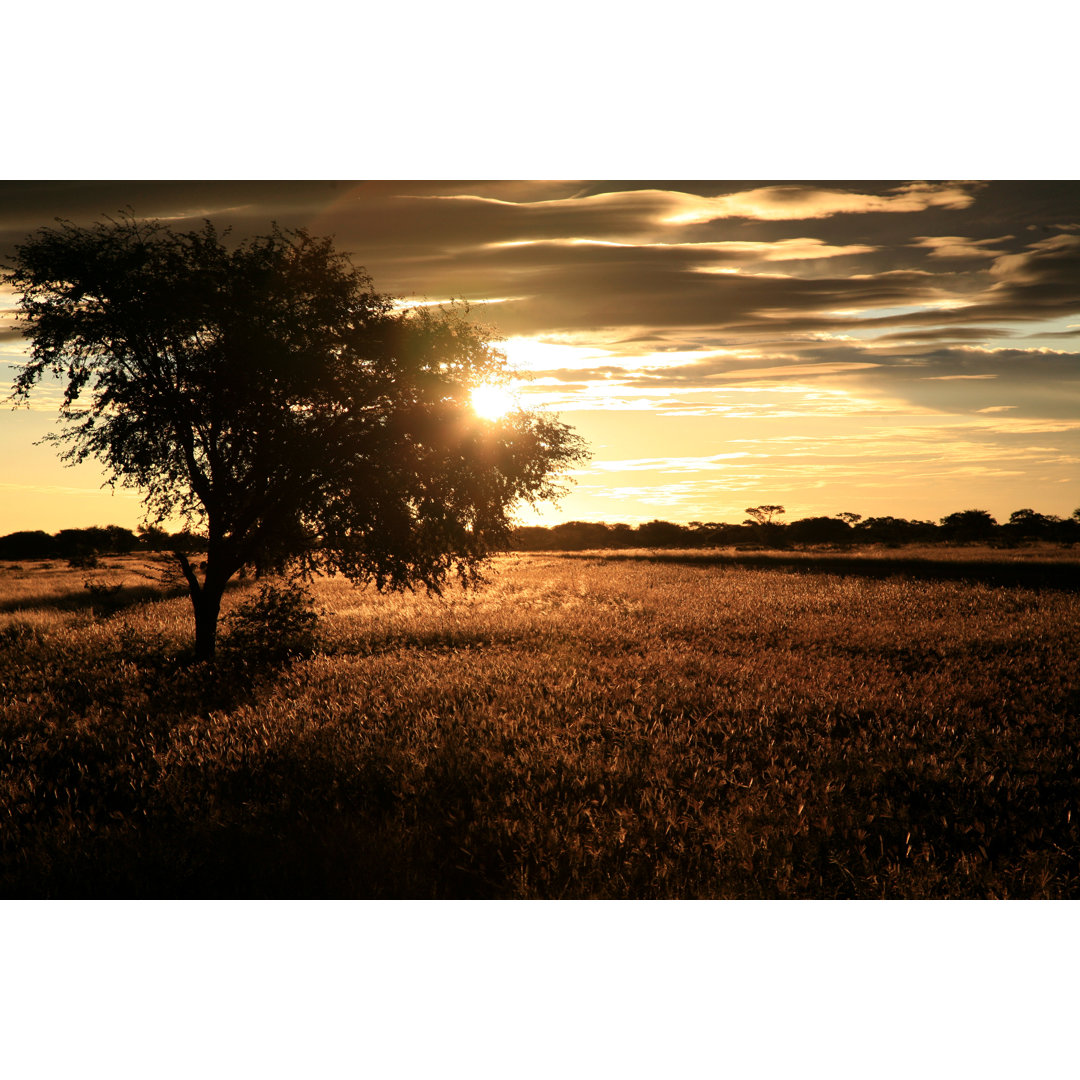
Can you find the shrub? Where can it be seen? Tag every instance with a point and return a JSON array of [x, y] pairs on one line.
[[277, 625], [104, 595]]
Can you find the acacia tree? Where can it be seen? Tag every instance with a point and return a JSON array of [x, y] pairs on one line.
[[265, 393], [762, 515]]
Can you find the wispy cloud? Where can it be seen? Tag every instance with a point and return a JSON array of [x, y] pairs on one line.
[[666, 464], [961, 247], [787, 202]]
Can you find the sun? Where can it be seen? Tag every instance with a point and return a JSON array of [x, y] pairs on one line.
[[491, 401]]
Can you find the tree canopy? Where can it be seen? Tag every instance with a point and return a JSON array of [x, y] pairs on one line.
[[763, 515], [264, 392]]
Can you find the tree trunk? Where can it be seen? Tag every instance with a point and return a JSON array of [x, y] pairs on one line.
[[206, 600], [207, 607]]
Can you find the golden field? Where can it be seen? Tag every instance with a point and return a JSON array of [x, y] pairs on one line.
[[639, 725]]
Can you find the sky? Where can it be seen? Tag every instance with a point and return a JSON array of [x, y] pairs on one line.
[[906, 347]]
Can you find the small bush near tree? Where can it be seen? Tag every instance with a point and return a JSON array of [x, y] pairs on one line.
[[274, 626]]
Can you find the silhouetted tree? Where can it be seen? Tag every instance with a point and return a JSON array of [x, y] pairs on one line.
[[264, 392], [27, 544], [819, 530], [659, 533], [969, 525], [1027, 524], [95, 540], [766, 532], [578, 535], [721, 534], [763, 515], [1070, 528], [153, 537], [895, 531], [532, 538]]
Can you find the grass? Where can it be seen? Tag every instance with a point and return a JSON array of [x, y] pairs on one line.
[[899, 724]]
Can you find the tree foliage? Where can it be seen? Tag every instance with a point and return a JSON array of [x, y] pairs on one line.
[[263, 392], [970, 524], [763, 515], [273, 626]]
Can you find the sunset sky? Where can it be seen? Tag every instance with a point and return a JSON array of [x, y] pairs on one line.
[[907, 347]]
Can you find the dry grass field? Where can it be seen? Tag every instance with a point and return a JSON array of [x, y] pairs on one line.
[[894, 724]]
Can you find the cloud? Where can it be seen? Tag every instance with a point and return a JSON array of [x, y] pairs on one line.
[[639, 212], [709, 374], [9, 331], [618, 291], [1048, 260], [788, 250], [1041, 384], [824, 379], [63, 489], [789, 202], [864, 461], [945, 378], [576, 257], [665, 464], [945, 333], [960, 247]]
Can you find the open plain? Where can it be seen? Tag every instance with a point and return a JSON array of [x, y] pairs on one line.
[[640, 725]]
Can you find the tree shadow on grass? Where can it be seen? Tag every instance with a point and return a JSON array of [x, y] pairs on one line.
[[102, 600], [283, 823], [122, 780], [343, 812], [1057, 576], [127, 771], [138, 774]]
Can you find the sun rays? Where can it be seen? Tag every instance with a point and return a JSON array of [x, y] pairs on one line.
[[492, 402]]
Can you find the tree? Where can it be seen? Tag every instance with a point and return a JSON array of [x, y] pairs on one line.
[[263, 392], [819, 530], [658, 534], [1028, 524], [970, 525], [580, 535], [762, 515], [765, 530], [27, 544]]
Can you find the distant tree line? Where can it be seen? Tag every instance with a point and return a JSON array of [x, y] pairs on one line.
[[760, 529], [80, 545]]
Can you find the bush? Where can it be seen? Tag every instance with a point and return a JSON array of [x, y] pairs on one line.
[[277, 625], [104, 595]]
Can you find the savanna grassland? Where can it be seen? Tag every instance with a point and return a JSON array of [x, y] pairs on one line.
[[896, 724]]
